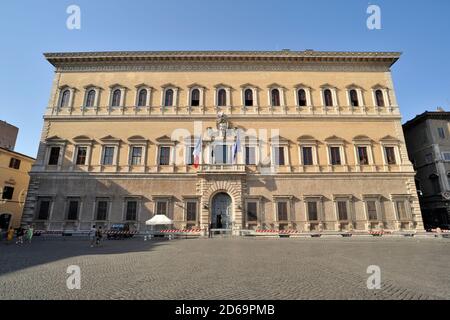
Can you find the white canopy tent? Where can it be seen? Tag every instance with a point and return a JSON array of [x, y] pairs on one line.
[[158, 220]]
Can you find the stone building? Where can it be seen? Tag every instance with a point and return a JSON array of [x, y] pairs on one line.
[[14, 178], [285, 140], [8, 135], [428, 141]]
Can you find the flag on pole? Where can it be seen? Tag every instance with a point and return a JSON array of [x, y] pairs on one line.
[[236, 147], [197, 152]]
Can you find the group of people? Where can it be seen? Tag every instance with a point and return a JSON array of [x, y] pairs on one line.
[[96, 235], [23, 234]]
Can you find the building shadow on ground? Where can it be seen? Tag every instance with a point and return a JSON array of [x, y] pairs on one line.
[[15, 257]]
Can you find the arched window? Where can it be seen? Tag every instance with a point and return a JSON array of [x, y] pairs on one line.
[[248, 97], [379, 98], [222, 98], [65, 98], [168, 99], [195, 98], [328, 98], [142, 98], [302, 98], [354, 98], [275, 95], [90, 98], [116, 98]]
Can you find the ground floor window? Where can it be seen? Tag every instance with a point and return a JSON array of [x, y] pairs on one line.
[[72, 212], [252, 213], [161, 207], [43, 212], [312, 211], [131, 210], [102, 210], [342, 210], [372, 210], [191, 211], [401, 210], [282, 211]]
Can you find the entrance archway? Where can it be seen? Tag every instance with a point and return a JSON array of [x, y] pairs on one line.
[[221, 211], [5, 220]]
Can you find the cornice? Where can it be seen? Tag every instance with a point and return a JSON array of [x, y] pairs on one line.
[[64, 60]]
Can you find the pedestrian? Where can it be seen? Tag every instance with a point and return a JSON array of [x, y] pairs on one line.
[[210, 230], [20, 234], [93, 235], [10, 235], [30, 233], [99, 235]]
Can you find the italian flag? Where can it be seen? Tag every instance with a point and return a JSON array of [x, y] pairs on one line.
[[197, 152]]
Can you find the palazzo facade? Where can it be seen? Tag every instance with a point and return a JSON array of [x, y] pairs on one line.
[[309, 141]]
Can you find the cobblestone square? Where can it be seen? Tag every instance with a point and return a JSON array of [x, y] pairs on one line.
[[228, 268]]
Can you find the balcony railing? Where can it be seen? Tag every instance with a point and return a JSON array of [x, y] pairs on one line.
[[221, 168]]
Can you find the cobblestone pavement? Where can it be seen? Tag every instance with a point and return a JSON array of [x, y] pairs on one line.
[[232, 268]]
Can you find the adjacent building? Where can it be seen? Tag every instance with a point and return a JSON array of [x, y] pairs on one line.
[[14, 179], [8, 135], [232, 140], [428, 141]]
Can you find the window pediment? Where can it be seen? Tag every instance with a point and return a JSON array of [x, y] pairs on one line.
[[55, 139], [302, 86], [250, 86], [137, 138], [117, 86], [354, 86], [222, 85], [196, 85], [307, 138], [335, 138], [110, 138], [275, 86], [279, 139], [362, 138], [169, 85], [389, 138], [328, 86], [165, 140], [379, 86], [82, 138], [143, 86]]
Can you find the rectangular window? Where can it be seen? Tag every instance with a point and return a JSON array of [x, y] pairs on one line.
[[446, 156], [81, 155], [250, 155], [401, 210], [44, 210], [342, 210], [307, 156], [335, 153], [14, 163], [390, 155], [191, 211], [441, 133], [282, 211], [131, 213], [102, 210], [279, 156], [363, 158], [108, 156], [312, 211], [164, 156], [190, 155], [72, 213], [53, 159], [220, 154], [372, 210], [252, 213], [161, 207], [136, 156], [7, 193]]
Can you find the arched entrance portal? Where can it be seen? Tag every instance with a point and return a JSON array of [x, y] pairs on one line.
[[221, 211]]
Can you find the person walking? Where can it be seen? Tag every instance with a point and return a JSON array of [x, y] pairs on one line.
[[93, 235], [30, 233], [99, 236]]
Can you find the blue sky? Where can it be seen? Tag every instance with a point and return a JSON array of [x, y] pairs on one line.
[[420, 29]]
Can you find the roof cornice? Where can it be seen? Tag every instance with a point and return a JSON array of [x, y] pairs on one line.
[[57, 59]]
